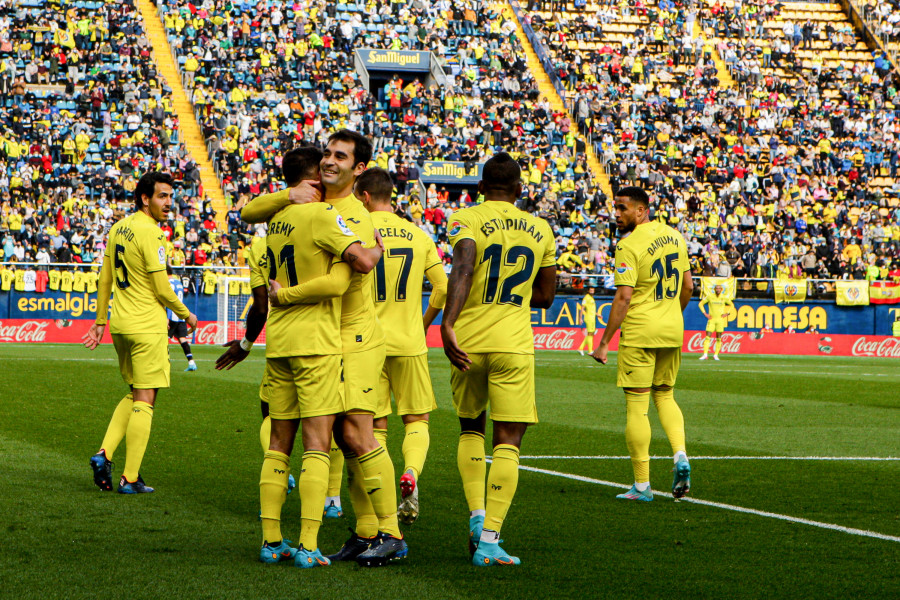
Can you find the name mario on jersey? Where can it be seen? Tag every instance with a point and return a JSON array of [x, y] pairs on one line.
[[494, 225]]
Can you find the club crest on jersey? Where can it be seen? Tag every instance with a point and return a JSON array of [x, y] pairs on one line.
[[343, 226], [162, 255], [455, 228], [622, 268]]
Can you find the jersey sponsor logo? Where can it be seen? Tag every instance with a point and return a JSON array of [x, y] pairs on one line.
[[343, 226], [162, 255], [622, 268], [455, 228]]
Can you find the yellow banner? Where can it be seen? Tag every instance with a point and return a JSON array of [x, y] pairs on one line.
[[708, 286], [852, 293], [790, 290]]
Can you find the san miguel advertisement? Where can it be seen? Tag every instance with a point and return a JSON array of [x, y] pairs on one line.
[[754, 327]]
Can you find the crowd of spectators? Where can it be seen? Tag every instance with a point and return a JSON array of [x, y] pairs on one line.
[[781, 160], [883, 17], [83, 114]]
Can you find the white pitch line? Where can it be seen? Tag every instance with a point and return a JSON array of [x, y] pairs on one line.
[[826, 458], [740, 509]]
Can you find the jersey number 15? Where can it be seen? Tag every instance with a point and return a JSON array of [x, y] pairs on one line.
[[670, 274]]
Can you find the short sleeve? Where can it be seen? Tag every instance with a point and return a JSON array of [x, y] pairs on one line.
[[332, 233], [549, 257], [460, 228], [154, 251], [431, 254], [626, 266]]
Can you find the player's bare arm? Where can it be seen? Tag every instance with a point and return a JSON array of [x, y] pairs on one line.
[[256, 320], [362, 260], [543, 289], [458, 288], [617, 313], [104, 290]]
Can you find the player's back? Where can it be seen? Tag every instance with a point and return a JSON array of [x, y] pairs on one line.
[[653, 259], [360, 329], [510, 246], [136, 249], [301, 245], [397, 283]]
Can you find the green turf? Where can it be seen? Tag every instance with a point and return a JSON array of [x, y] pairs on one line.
[[198, 536]]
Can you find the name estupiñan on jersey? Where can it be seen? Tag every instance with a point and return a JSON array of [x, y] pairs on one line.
[[495, 225]]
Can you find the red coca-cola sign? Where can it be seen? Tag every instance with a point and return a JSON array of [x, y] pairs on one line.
[[879, 347], [555, 339], [731, 342], [207, 333], [24, 331]]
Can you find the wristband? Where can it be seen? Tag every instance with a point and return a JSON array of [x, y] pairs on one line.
[[246, 345]]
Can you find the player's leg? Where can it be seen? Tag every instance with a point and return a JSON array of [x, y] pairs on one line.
[[101, 463], [333, 508], [150, 364], [410, 381], [707, 340], [635, 376], [470, 397], [186, 346], [512, 400], [284, 417], [668, 361], [720, 327]]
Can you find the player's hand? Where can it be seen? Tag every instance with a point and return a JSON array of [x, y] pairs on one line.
[[458, 357], [378, 241], [274, 286], [192, 323], [305, 192], [600, 354], [232, 356], [92, 338]]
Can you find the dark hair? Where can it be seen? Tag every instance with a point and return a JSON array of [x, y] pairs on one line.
[[634, 193], [501, 174], [300, 163], [377, 182], [146, 185], [362, 147]]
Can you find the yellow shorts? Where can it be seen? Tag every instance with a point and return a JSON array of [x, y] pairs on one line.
[[300, 387], [362, 370], [501, 379], [143, 359], [644, 367], [715, 325], [264, 387], [410, 381]]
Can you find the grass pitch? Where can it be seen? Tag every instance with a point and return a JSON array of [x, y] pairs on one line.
[[198, 535]]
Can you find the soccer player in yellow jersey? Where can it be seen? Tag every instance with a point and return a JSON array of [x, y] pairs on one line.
[[653, 287], [377, 540], [588, 311], [410, 256], [504, 264], [135, 260], [717, 316]]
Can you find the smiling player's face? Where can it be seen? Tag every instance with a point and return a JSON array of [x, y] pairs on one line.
[[338, 168]]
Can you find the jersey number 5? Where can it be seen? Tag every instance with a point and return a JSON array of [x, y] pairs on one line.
[[405, 255], [119, 262], [493, 255], [670, 273]]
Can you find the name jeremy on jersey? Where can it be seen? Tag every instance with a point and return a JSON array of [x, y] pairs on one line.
[[280, 228], [662, 241], [494, 225], [394, 232]]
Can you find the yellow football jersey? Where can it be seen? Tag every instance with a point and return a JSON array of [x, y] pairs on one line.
[[360, 329], [409, 254], [717, 305], [302, 243], [256, 260], [510, 247], [136, 248], [589, 309], [653, 259]]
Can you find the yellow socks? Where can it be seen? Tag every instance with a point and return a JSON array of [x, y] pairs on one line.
[[718, 346], [117, 426], [706, 343], [503, 479], [273, 483], [588, 344], [265, 434], [637, 433], [313, 485], [415, 446], [671, 418], [336, 471], [378, 482], [366, 521], [472, 468], [138, 435]]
